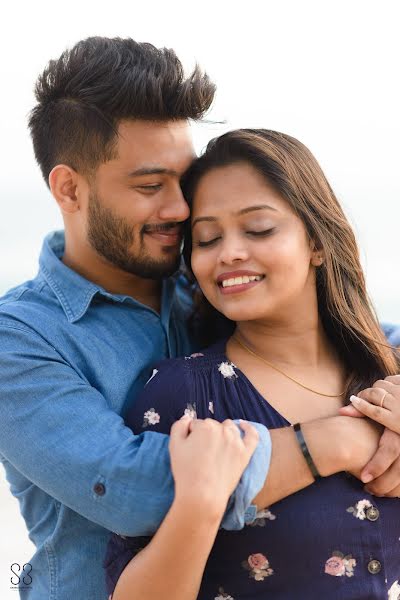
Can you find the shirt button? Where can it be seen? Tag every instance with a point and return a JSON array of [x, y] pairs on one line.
[[372, 513], [99, 489], [374, 566]]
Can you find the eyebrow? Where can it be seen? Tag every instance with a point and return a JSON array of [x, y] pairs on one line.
[[243, 211], [153, 171]]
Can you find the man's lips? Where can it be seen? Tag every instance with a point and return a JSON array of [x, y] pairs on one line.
[[168, 237]]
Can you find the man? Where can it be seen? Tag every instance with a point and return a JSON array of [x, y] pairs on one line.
[[111, 136]]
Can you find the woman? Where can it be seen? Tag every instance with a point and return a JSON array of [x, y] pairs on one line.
[[274, 254]]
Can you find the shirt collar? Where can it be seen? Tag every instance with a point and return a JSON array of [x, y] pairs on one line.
[[74, 292]]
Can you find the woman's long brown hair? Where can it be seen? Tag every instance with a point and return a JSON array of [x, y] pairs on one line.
[[345, 310]]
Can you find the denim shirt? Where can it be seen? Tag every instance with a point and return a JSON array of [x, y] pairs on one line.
[[73, 358]]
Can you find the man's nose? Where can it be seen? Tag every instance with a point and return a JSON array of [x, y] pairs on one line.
[[174, 207]]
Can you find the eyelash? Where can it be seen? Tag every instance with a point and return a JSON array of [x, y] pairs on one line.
[[264, 233], [151, 188]]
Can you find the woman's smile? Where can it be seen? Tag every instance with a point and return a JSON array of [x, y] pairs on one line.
[[235, 282]]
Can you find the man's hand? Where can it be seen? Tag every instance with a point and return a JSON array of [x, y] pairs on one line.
[[382, 472]]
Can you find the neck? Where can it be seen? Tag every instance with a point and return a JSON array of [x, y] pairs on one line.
[[301, 343], [80, 257]]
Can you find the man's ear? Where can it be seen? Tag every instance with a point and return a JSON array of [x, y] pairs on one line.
[[63, 181]]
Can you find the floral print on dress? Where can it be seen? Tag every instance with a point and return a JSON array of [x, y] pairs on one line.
[[194, 355], [261, 518], [394, 592], [222, 595], [359, 509], [151, 417], [190, 411], [211, 407], [339, 564], [258, 566], [154, 373], [227, 370]]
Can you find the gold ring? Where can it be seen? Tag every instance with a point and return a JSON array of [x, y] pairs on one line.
[[383, 397]]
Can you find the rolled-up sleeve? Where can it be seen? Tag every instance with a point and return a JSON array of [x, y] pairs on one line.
[[240, 508]]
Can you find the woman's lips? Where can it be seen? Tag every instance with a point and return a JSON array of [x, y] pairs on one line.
[[239, 287]]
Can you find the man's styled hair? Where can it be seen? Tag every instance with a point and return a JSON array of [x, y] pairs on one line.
[[84, 94]]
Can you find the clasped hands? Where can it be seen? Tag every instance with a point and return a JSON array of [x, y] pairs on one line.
[[381, 403]]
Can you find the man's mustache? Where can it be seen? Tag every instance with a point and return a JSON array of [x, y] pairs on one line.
[[175, 227]]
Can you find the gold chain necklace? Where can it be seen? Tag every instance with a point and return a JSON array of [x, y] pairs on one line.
[[234, 337]]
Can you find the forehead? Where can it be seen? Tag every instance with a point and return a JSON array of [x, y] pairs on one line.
[[167, 144], [225, 190]]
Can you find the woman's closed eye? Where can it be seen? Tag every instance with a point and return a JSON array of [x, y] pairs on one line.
[[203, 243], [261, 234]]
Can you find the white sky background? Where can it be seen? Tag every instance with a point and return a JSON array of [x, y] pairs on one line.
[[325, 71]]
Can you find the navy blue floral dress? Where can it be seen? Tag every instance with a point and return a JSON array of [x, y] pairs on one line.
[[330, 541]]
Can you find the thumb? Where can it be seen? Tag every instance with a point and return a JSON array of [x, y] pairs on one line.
[[350, 411], [181, 428], [251, 437]]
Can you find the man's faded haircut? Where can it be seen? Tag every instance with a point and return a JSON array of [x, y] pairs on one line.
[[84, 94]]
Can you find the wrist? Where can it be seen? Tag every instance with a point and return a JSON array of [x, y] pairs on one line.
[[202, 503], [325, 444], [305, 451]]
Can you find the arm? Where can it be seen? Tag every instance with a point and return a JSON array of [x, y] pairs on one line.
[[60, 433], [183, 540], [207, 460], [180, 549], [336, 444]]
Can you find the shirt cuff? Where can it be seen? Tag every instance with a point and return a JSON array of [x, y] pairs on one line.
[[240, 511]]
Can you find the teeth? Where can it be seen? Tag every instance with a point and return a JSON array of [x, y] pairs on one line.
[[240, 280]]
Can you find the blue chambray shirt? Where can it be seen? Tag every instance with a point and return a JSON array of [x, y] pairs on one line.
[[73, 358]]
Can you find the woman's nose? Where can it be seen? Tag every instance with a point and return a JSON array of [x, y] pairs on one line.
[[233, 250]]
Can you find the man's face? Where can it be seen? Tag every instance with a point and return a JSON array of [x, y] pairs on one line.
[[136, 207]]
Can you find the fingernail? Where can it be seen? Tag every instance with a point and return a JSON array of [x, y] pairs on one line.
[[355, 399], [366, 478]]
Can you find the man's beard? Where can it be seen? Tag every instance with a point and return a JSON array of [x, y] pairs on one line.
[[111, 237]]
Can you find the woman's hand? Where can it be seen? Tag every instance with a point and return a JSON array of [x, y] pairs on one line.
[[382, 473], [381, 403], [359, 439], [208, 459]]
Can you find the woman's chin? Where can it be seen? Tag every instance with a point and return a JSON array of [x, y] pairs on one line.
[[242, 314]]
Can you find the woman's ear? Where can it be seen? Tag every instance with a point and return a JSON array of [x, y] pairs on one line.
[[63, 182], [317, 255]]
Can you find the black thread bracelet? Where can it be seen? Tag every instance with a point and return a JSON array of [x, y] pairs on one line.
[[305, 451]]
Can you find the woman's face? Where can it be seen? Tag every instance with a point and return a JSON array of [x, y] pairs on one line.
[[251, 254]]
